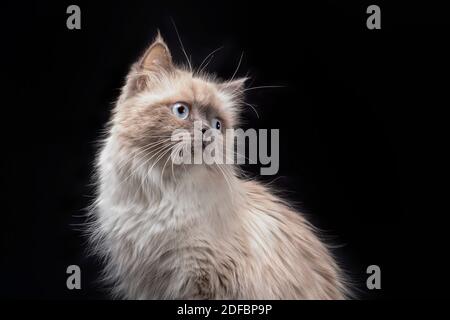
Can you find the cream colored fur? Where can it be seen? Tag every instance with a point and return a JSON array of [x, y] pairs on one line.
[[194, 232]]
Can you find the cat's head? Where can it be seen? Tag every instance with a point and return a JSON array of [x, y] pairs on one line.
[[160, 98]]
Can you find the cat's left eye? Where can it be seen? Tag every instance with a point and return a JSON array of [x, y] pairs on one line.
[[181, 110], [216, 124]]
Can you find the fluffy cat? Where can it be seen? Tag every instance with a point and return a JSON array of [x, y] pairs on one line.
[[194, 231]]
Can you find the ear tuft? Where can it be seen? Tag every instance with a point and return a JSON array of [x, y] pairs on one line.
[[234, 87], [157, 56]]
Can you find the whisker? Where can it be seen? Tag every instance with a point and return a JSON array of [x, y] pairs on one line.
[[165, 163], [200, 68], [181, 146], [237, 68], [225, 177], [141, 150], [161, 155], [181, 43], [262, 87], [160, 150], [253, 108]]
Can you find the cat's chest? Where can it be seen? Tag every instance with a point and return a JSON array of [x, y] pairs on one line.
[[157, 220], [160, 215], [158, 232]]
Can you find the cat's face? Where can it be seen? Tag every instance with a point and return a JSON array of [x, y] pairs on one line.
[[160, 98]]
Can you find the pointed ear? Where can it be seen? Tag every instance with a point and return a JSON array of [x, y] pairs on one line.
[[157, 56], [233, 87]]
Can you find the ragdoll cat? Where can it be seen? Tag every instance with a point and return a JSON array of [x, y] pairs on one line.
[[194, 231]]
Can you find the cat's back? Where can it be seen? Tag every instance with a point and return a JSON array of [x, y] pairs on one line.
[[288, 255]]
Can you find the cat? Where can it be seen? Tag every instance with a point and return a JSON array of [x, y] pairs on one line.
[[194, 231]]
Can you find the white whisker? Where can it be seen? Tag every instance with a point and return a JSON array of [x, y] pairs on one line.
[[237, 68], [182, 46]]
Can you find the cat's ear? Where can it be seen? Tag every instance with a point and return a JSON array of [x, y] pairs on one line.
[[234, 88], [157, 57]]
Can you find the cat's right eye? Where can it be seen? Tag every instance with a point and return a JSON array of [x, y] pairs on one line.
[[181, 110]]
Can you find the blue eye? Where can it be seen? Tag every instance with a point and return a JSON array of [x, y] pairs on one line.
[[181, 110], [216, 124]]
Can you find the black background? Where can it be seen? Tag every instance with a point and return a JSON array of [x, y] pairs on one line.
[[361, 119]]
